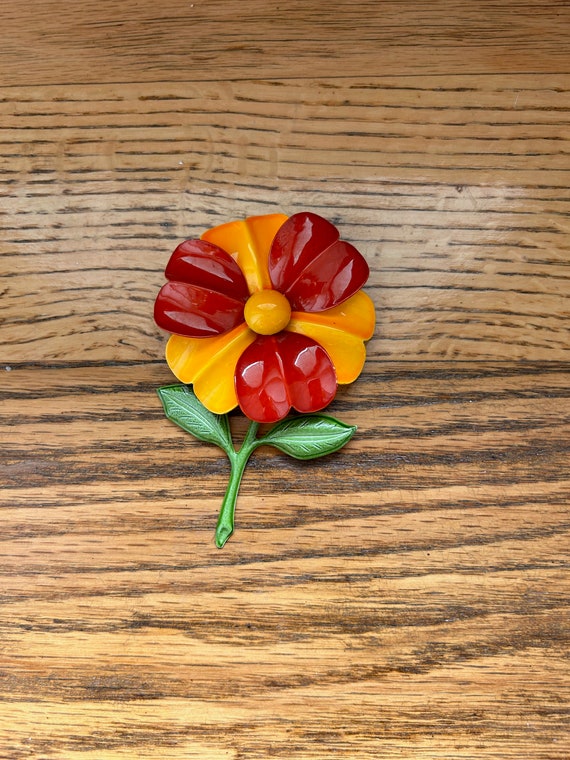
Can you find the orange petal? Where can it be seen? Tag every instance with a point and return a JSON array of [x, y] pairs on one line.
[[341, 331], [209, 364], [249, 241]]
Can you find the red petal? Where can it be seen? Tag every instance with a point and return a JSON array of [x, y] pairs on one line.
[[198, 262], [195, 312], [329, 279], [302, 237], [280, 371]]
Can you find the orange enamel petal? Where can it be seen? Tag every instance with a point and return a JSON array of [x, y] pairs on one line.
[[249, 241], [209, 364], [262, 230], [356, 316], [341, 331]]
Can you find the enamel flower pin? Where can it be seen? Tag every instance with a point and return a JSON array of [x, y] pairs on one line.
[[268, 314]]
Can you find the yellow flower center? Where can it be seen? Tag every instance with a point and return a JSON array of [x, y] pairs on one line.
[[267, 312]]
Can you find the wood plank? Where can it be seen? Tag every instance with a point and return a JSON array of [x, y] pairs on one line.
[[406, 596], [52, 41], [456, 192]]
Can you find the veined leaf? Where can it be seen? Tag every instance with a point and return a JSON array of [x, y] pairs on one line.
[[309, 436], [182, 407]]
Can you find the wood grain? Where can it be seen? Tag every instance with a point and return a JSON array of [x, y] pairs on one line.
[[53, 42], [457, 194], [406, 597]]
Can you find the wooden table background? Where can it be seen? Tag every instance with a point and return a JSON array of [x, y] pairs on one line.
[[404, 598]]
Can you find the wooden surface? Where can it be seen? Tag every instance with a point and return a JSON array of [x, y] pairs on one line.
[[404, 598]]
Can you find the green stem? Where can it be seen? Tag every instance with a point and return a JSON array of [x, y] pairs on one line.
[[238, 462]]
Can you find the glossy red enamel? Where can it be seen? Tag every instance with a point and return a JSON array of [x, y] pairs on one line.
[[281, 371], [206, 265], [302, 237], [312, 267], [329, 279], [196, 312]]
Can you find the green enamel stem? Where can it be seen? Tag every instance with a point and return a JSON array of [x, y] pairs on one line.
[[238, 462]]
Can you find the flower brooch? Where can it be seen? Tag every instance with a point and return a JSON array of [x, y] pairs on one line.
[[267, 314]]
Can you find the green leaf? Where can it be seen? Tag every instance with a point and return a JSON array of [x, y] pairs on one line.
[[309, 436], [182, 407]]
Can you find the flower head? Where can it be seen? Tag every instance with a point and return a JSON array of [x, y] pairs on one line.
[[267, 313]]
